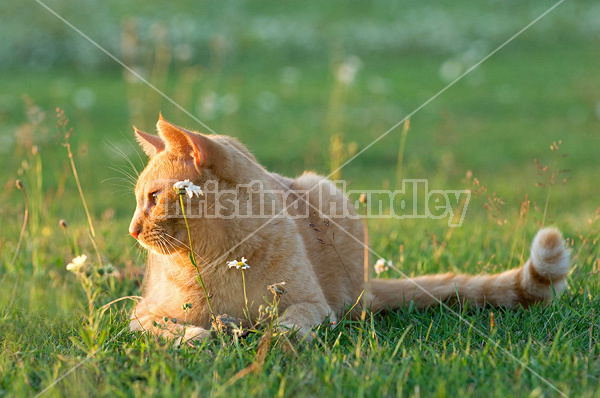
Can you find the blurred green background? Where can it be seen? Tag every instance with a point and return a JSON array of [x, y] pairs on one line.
[[306, 84]]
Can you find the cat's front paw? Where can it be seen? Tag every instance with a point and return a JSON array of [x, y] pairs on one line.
[[302, 333], [135, 325], [192, 334]]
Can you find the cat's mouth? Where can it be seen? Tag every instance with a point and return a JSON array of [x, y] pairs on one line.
[[161, 243]]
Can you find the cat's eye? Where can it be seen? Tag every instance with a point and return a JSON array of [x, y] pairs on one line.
[[154, 195]]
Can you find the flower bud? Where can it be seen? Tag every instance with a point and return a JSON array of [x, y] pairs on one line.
[[19, 184], [277, 289], [62, 223]]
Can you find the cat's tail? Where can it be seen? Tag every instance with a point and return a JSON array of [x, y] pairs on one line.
[[543, 274]]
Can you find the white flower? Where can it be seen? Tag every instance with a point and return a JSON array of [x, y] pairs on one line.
[[181, 184], [242, 264], [77, 263], [194, 189], [189, 187], [346, 71], [381, 265]]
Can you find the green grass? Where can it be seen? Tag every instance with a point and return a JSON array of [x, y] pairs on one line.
[[539, 89]]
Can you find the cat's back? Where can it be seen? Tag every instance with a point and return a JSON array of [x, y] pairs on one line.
[[332, 235]]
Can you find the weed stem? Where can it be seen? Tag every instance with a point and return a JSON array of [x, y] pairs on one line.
[[85, 206], [25, 217], [194, 263]]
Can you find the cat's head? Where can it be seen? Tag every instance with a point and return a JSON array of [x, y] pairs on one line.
[[177, 154]]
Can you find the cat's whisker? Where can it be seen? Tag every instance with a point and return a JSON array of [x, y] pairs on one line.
[[189, 282], [123, 171], [163, 243], [165, 249], [127, 180], [206, 264], [123, 189], [134, 148], [122, 185], [138, 252], [139, 246], [177, 240], [185, 245], [130, 174], [137, 152], [119, 151], [170, 253], [127, 175]]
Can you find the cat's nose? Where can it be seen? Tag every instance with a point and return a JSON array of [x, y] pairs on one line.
[[135, 229], [135, 232]]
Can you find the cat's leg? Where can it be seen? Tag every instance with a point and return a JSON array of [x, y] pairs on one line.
[[143, 319], [304, 316], [535, 282]]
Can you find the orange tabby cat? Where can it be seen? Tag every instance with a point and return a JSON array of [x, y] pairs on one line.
[[321, 280]]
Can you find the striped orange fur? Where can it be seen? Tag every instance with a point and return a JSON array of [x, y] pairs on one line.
[[532, 283]]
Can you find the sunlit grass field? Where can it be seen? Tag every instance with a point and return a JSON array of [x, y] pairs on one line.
[[306, 87]]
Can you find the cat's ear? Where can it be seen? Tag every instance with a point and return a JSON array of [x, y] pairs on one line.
[[204, 151], [151, 144]]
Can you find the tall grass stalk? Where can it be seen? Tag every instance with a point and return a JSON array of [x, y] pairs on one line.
[[67, 145], [38, 169], [20, 187], [400, 164], [245, 296], [523, 213], [62, 124], [438, 251], [339, 150], [363, 313], [555, 148]]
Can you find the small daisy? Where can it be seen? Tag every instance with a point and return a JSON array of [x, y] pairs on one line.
[[381, 265], [194, 190], [189, 188], [181, 184], [243, 264], [77, 263]]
